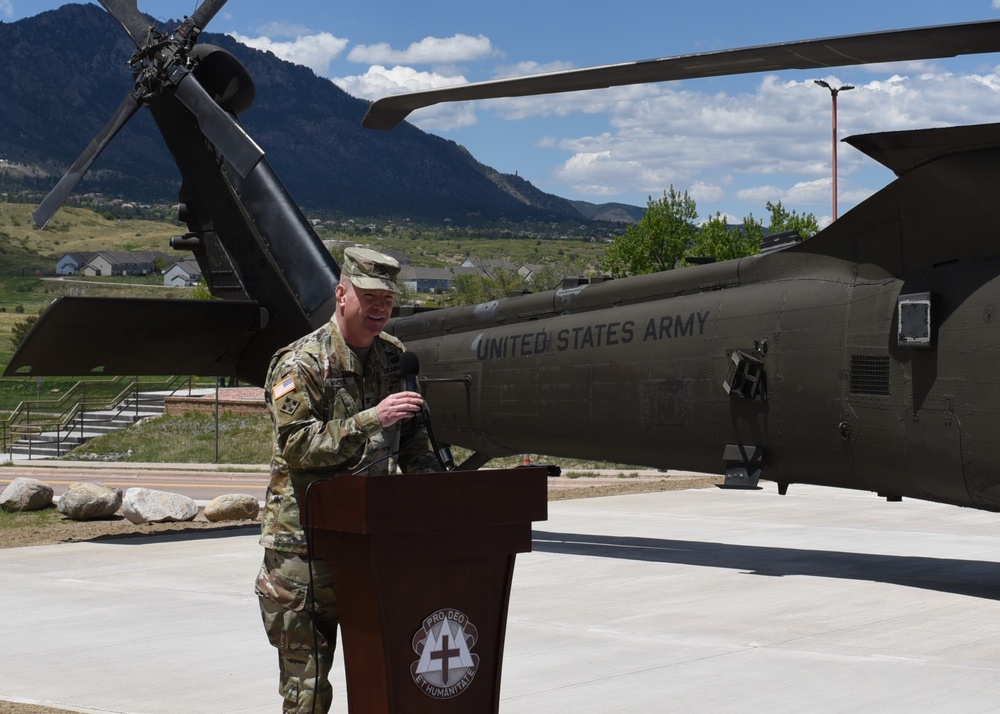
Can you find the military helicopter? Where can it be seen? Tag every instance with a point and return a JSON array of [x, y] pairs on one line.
[[867, 357]]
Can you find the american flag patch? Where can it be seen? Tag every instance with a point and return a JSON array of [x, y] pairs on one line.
[[283, 388]]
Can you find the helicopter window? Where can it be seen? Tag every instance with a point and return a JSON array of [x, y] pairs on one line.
[[870, 375], [914, 320]]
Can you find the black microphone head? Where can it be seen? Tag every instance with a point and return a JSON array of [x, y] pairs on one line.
[[409, 364]]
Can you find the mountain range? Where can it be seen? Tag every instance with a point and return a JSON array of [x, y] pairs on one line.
[[63, 72]]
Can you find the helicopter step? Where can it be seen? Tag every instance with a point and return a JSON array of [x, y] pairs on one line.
[[743, 466]]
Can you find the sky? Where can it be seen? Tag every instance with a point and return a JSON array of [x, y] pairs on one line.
[[732, 143]]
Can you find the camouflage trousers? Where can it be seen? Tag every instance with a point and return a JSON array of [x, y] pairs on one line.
[[305, 653]]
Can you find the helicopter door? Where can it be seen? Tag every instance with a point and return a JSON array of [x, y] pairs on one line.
[[874, 390]]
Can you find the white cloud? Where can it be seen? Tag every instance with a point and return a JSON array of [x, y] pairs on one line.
[[703, 192], [763, 194], [379, 81], [701, 142], [683, 138], [809, 192], [313, 51], [906, 67], [610, 172], [429, 51], [812, 192], [6, 8], [443, 54]]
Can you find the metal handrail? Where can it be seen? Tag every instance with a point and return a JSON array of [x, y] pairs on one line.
[[33, 417]]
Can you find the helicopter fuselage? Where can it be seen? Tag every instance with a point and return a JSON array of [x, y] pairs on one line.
[[792, 362]]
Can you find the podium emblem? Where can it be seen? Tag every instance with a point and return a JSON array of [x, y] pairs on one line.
[[447, 664]]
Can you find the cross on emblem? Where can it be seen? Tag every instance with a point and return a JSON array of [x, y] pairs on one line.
[[444, 654]]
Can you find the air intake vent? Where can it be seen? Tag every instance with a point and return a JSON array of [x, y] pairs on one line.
[[870, 375]]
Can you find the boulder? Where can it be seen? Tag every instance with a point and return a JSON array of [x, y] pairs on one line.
[[88, 501], [146, 505], [26, 494], [232, 507]]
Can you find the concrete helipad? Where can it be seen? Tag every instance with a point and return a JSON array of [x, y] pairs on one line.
[[703, 600]]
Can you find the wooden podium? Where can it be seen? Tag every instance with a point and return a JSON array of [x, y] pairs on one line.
[[422, 567]]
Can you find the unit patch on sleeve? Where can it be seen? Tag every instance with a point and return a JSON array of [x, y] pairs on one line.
[[290, 405]]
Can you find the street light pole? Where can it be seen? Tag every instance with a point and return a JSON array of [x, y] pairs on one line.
[[834, 91]]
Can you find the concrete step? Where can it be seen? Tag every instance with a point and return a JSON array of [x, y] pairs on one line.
[[117, 418], [47, 449], [53, 444]]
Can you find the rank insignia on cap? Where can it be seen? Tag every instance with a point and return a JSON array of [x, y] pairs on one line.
[[283, 388]]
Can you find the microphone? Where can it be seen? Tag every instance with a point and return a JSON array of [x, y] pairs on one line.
[[409, 368]]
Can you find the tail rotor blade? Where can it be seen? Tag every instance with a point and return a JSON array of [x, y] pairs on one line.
[[129, 17], [50, 204], [219, 127]]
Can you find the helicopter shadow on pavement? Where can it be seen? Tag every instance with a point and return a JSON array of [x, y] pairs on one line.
[[973, 578]]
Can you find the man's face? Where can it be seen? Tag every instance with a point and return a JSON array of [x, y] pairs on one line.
[[362, 313]]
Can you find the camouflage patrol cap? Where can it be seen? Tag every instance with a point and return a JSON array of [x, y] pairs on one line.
[[370, 270]]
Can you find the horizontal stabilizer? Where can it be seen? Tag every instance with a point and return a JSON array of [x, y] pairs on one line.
[[132, 336], [903, 151]]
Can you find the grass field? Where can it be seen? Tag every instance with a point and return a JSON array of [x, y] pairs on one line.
[[77, 229], [188, 438]]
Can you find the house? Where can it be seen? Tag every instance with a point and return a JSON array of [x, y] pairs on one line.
[[426, 280], [529, 270], [103, 265], [71, 263], [490, 267], [108, 263], [398, 255], [184, 273]]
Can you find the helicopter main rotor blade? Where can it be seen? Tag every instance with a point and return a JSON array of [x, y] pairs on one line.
[[193, 26], [219, 127], [870, 48], [135, 23], [55, 198], [206, 11]]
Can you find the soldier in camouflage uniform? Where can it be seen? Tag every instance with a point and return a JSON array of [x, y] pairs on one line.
[[335, 401]]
